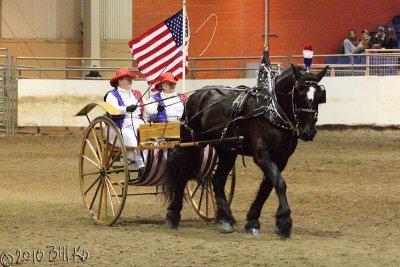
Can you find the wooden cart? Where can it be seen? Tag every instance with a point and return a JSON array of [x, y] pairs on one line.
[[105, 175]]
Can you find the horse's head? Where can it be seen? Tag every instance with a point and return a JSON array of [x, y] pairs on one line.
[[307, 95]]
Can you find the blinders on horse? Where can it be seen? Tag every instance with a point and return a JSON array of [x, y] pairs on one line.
[[323, 94]]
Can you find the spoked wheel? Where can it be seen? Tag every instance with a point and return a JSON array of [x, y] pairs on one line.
[[103, 171], [201, 195]]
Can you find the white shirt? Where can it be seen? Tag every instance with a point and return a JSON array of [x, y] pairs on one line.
[[129, 99], [129, 125], [173, 106]]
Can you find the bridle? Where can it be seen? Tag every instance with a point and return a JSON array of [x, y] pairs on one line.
[[295, 110], [297, 86]]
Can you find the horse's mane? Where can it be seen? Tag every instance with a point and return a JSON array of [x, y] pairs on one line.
[[288, 71], [287, 74]]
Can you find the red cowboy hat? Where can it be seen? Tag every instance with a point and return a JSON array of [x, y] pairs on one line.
[[165, 77], [122, 73]]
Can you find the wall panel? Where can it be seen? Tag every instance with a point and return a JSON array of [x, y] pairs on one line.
[[116, 19], [43, 19], [350, 100]]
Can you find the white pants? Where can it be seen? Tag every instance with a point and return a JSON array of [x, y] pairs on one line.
[[129, 134], [349, 48]]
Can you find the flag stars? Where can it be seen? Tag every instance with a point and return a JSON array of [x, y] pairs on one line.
[[174, 24]]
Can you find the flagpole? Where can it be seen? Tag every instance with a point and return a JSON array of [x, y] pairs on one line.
[[184, 49]]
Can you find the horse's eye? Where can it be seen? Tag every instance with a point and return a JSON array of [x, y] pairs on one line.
[[303, 90]]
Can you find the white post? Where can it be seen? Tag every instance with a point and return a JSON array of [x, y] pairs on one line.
[[184, 49], [91, 31], [266, 24]]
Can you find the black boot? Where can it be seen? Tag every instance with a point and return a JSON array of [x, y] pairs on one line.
[[141, 171]]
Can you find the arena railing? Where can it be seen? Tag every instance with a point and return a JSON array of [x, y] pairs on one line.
[[78, 68], [373, 62]]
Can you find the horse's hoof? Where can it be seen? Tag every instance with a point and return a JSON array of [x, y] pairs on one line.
[[172, 220], [253, 231], [283, 227], [283, 233], [253, 227], [226, 228], [171, 224], [223, 217]]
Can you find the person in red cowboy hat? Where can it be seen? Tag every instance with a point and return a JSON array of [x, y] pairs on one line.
[[130, 103], [168, 105]]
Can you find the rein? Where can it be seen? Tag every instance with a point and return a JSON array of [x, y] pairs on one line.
[[208, 107]]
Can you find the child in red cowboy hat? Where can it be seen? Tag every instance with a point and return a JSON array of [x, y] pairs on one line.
[[168, 105], [130, 103]]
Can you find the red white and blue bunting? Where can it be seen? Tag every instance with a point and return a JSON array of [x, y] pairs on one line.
[[308, 55]]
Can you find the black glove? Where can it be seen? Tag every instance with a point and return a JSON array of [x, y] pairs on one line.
[[160, 108], [131, 108]]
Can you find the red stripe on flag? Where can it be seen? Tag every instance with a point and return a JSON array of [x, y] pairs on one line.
[[168, 69], [158, 58], [167, 64], [144, 35], [152, 41], [155, 49]]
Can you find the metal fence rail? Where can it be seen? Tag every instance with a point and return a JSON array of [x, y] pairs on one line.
[[77, 68], [373, 62]]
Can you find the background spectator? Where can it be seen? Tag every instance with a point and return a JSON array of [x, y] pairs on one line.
[[351, 42], [390, 41], [93, 73], [365, 39], [376, 42], [352, 45]]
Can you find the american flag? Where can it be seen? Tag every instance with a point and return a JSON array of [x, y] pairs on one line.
[[159, 50]]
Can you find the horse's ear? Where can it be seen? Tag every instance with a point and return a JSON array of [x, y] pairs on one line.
[[296, 72], [321, 74]]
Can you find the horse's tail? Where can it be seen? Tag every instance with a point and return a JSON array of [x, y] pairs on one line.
[[183, 164]]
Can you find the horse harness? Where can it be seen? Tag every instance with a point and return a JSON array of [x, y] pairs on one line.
[[271, 110]]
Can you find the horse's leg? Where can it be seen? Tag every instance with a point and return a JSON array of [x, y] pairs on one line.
[[182, 165], [226, 161], [173, 216], [253, 225], [283, 221], [283, 224]]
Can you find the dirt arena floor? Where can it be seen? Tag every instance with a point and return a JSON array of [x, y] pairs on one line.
[[343, 189]]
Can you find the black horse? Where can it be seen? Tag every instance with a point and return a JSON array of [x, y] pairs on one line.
[[268, 139]]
